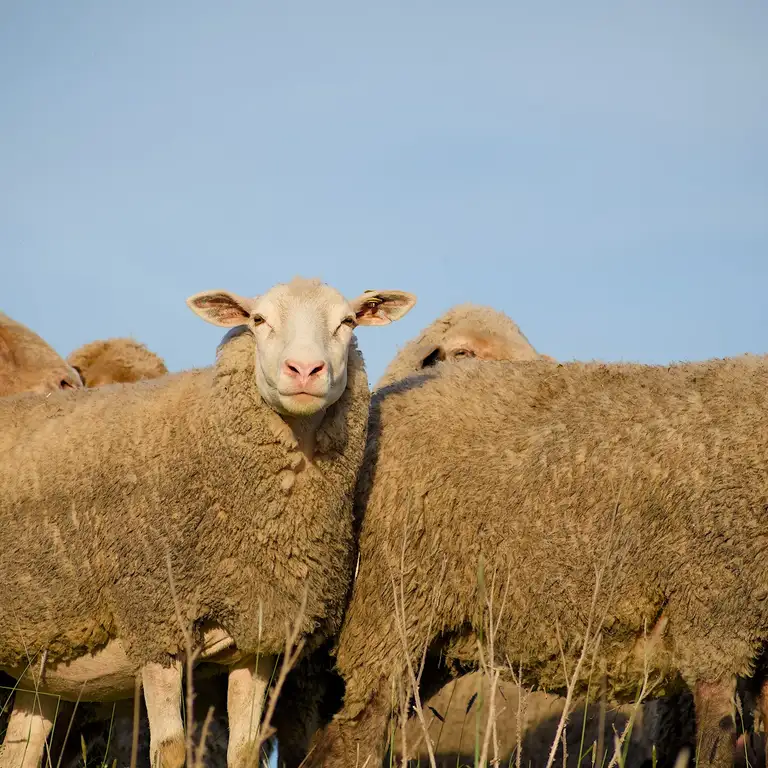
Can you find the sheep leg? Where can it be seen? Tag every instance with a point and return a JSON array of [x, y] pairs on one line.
[[248, 681], [762, 705], [715, 723], [29, 726], [358, 739], [162, 695]]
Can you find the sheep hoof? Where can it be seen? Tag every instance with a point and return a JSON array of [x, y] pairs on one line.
[[170, 754]]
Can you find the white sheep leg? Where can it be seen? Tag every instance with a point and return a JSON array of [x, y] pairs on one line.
[[29, 725], [162, 694], [248, 681]]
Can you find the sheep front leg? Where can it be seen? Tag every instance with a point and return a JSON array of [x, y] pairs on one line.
[[248, 681], [715, 723], [29, 725], [162, 694]]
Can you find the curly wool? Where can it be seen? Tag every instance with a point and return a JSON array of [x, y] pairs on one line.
[[509, 341], [549, 474], [116, 361], [97, 486]]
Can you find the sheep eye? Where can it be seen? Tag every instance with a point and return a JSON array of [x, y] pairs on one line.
[[349, 322], [463, 353], [257, 320]]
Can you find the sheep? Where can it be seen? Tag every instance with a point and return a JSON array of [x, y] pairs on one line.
[[112, 361], [234, 483], [29, 364], [623, 502], [459, 703], [100, 363], [464, 331]]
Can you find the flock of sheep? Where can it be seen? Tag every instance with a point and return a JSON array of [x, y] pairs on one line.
[[486, 510]]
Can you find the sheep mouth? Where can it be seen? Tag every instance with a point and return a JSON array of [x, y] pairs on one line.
[[303, 398], [302, 403], [314, 392]]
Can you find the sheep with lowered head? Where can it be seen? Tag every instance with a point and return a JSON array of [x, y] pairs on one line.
[[238, 479], [29, 364], [113, 361], [617, 513]]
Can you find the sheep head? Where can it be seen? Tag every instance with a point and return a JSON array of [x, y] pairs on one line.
[[303, 330], [29, 364]]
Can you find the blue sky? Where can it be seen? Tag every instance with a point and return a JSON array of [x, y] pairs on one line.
[[598, 170]]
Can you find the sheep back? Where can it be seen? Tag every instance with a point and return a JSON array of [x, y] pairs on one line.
[[547, 474]]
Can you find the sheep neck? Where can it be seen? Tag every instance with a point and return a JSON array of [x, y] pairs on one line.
[[304, 430]]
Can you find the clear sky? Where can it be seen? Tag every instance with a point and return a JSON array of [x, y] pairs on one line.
[[596, 169]]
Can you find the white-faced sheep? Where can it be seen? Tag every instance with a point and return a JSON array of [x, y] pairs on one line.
[[29, 364], [618, 512], [115, 361], [237, 480]]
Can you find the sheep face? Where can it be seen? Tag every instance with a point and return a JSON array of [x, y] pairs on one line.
[[463, 344], [63, 377], [29, 364], [303, 330]]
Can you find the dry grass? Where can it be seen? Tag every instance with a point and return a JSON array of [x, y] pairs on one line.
[[611, 748], [486, 707]]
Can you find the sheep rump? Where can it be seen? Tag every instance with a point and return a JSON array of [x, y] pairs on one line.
[[97, 486], [531, 467]]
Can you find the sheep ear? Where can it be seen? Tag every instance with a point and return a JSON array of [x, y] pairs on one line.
[[437, 355], [6, 354], [221, 308], [79, 373], [382, 307]]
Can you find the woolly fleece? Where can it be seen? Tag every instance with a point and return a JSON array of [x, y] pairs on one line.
[[96, 486], [549, 473]]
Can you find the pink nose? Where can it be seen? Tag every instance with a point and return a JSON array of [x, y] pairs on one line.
[[303, 372]]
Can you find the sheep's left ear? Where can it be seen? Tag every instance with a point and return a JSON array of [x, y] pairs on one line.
[[382, 307], [79, 373]]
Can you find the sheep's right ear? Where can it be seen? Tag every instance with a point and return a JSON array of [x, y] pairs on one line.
[[437, 355], [221, 308]]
